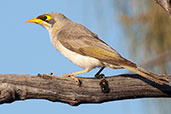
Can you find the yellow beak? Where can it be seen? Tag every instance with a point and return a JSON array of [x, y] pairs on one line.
[[38, 21]]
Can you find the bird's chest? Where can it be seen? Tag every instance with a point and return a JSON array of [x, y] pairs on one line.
[[78, 59]]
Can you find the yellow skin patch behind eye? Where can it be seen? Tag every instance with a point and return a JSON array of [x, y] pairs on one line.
[[48, 17]]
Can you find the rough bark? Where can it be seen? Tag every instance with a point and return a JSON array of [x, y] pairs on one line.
[[165, 4], [64, 89]]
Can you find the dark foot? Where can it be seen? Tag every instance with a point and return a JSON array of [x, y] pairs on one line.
[[99, 76], [79, 83], [104, 86]]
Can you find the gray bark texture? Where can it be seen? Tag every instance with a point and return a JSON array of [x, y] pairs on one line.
[[15, 87]]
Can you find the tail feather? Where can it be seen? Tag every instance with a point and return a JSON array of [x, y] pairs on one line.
[[146, 74]]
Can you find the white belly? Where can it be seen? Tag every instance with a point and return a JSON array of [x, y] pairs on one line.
[[80, 60]]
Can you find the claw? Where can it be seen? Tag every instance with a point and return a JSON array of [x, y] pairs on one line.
[[78, 82], [99, 76], [46, 76]]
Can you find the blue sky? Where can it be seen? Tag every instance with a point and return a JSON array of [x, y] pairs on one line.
[[25, 48]]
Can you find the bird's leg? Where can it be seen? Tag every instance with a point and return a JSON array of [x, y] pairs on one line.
[[98, 75], [103, 83], [75, 73]]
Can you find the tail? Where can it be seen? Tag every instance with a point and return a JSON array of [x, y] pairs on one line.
[[146, 74]]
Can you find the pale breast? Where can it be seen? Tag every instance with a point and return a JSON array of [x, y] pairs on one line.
[[78, 59]]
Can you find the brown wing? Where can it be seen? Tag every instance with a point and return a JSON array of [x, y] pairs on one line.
[[79, 39]]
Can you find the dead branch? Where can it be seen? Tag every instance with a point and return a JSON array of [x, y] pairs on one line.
[[15, 87]]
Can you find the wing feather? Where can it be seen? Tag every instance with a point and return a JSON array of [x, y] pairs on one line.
[[79, 39]]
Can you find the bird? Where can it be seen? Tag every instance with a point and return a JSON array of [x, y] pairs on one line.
[[85, 49]]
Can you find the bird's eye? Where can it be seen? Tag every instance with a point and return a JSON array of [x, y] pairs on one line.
[[44, 18]]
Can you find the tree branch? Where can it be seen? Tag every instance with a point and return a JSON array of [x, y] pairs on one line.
[[165, 4], [63, 89]]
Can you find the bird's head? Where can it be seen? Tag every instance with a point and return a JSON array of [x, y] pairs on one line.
[[50, 20]]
